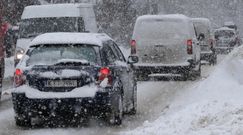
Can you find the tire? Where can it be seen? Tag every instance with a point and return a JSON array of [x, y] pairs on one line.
[[133, 111], [116, 115], [23, 122], [192, 75]]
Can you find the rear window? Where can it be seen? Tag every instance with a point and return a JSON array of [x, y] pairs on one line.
[[51, 54], [224, 34], [161, 29], [202, 28]]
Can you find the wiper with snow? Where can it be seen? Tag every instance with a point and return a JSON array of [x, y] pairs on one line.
[[72, 62], [32, 35]]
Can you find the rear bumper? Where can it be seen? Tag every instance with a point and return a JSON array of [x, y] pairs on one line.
[[61, 107], [224, 49], [163, 69]]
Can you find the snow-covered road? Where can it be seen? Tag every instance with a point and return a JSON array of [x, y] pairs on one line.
[[154, 99]]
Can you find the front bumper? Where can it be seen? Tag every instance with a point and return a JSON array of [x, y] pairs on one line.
[[61, 107]]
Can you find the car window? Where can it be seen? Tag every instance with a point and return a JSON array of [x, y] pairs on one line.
[[50, 54], [118, 51], [108, 55]]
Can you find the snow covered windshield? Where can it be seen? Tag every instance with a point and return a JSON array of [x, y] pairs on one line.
[[52, 54], [161, 29], [36, 26]]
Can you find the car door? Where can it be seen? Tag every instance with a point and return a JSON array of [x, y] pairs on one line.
[[112, 60], [129, 75]]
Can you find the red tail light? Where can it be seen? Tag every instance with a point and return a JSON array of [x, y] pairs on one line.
[[103, 74], [19, 78], [133, 47], [189, 46]]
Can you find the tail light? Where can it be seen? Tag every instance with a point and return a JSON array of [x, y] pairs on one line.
[[211, 41], [19, 78], [189, 46], [104, 75], [133, 47]]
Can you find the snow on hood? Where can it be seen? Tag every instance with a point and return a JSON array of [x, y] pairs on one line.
[[213, 106], [86, 91], [23, 43]]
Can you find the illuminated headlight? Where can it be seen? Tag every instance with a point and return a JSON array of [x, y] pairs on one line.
[[19, 54]]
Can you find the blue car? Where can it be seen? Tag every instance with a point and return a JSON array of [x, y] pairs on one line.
[[71, 77]]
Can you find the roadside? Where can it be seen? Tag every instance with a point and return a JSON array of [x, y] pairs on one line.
[[211, 106]]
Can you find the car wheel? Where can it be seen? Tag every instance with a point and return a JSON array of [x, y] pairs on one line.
[[133, 111], [116, 115], [23, 122]]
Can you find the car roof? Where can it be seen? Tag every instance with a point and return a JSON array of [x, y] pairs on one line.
[[70, 38], [55, 10], [225, 28], [201, 20], [167, 17]]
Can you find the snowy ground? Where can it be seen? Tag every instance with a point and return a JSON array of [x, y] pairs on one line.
[[213, 106], [165, 107]]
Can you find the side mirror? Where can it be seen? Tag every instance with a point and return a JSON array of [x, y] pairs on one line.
[[132, 59], [201, 37]]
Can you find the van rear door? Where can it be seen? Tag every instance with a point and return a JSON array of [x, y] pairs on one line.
[[161, 41]]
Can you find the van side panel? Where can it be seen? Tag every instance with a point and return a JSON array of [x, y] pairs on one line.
[[89, 19]]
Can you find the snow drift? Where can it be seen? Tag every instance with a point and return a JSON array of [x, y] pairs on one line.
[[212, 107]]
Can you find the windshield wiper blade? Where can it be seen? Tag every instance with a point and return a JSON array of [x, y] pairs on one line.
[[66, 62]]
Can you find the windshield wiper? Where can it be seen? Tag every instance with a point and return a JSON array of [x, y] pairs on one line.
[[32, 35], [70, 62]]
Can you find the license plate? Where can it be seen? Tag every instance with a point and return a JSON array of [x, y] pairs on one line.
[[61, 83]]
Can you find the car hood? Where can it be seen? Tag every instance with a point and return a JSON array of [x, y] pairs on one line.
[[23, 43]]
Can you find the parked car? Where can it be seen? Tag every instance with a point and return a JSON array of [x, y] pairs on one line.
[[74, 76], [226, 39], [207, 43], [40, 19], [165, 45]]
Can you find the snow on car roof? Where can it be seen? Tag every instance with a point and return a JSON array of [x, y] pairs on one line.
[[202, 20], [54, 10], [224, 28], [70, 38], [168, 16], [229, 23]]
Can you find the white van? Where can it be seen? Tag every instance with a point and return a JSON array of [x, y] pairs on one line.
[[39, 19], [208, 44], [166, 45]]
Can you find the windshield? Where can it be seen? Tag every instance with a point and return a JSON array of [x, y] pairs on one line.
[[161, 29], [52, 54], [224, 34], [35, 26], [202, 28]]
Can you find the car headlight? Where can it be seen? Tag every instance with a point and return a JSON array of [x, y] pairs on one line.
[[19, 54]]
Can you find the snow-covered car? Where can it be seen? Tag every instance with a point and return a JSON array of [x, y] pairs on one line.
[[226, 39], [72, 76], [40, 19], [207, 43], [166, 45]]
